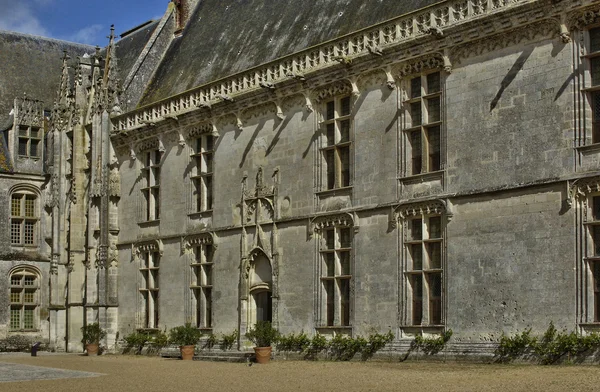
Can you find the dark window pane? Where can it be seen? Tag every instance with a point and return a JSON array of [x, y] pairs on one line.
[[330, 115], [433, 109], [415, 87], [596, 235], [415, 114], [345, 238], [596, 117], [596, 206], [344, 131], [33, 148], [415, 144], [209, 143], [23, 147], [329, 264], [594, 40], [345, 103], [157, 156], [434, 252], [23, 131], [433, 138], [416, 254], [209, 192], [435, 299], [416, 229], [344, 262], [330, 163], [208, 307], [329, 301], [198, 145], [417, 300], [433, 83], [345, 301], [345, 165], [330, 134], [208, 159], [435, 227], [330, 239]]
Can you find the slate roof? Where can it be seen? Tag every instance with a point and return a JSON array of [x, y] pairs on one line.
[[223, 38], [5, 163], [130, 46], [32, 65]]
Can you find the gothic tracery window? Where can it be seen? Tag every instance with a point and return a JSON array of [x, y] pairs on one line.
[[23, 218], [24, 299]]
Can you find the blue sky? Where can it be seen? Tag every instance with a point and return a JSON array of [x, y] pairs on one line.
[[84, 21]]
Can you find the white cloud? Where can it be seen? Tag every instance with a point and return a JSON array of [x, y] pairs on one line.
[[88, 35], [19, 16]]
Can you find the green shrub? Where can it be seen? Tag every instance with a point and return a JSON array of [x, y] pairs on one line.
[[228, 341], [298, 343], [136, 341], [210, 341], [317, 344], [548, 349], [263, 334], [375, 343], [185, 335], [92, 333], [432, 346]]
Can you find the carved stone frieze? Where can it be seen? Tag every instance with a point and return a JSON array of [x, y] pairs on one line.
[[425, 63], [580, 19], [344, 219], [189, 242], [545, 29], [197, 130], [582, 187], [146, 246], [343, 87], [29, 112], [405, 211]]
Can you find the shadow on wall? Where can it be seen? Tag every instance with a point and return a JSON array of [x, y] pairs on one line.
[[511, 75]]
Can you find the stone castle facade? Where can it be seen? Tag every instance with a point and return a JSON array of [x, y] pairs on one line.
[[418, 167]]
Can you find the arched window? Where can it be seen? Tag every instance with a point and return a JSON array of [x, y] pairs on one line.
[[24, 217], [24, 299]]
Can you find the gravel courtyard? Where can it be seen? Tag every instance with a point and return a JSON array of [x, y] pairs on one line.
[[134, 373]]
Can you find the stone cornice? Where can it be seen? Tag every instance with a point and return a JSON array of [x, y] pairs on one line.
[[426, 37]]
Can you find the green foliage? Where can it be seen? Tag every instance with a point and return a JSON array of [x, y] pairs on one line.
[[211, 341], [552, 346], [155, 340], [19, 343], [343, 348], [228, 341], [515, 346], [136, 341], [263, 334], [375, 343], [92, 333], [158, 340], [432, 346], [317, 344], [298, 343], [185, 335]]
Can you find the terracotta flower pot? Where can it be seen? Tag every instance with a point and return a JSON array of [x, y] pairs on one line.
[[187, 352], [92, 349], [263, 354]]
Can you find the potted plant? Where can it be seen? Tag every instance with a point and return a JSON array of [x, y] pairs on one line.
[[186, 336], [92, 334], [263, 335]]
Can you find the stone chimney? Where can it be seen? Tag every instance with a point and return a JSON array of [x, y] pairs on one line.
[[183, 11]]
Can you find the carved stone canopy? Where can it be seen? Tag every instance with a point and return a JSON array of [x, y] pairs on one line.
[[430, 207], [582, 187], [189, 242], [344, 219], [146, 247]]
